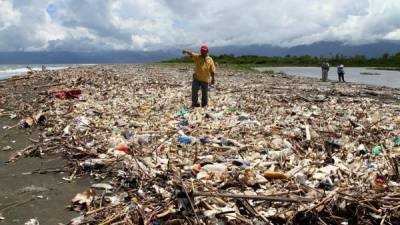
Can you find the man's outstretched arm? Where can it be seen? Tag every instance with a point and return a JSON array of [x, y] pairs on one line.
[[188, 53]]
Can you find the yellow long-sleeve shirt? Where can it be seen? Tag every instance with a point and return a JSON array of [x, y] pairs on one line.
[[204, 67]]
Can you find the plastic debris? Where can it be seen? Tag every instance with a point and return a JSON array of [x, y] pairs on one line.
[[102, 186], [242, 163], [122, 148], [204, 140], [77, 220], [183, 112], [32, 222], [184, 123], [396, 140], [267, 150], [377, 150], [6, 148], [274, 175], [84, 199], [232, 109], [71, 94], [185, 140]]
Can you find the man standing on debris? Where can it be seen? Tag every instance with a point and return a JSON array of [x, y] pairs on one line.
[[325, 70], [203, 70]]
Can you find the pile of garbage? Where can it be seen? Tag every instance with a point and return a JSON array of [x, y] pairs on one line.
[[267, 150]]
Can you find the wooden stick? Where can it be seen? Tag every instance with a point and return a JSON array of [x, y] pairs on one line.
[[35, 141], [110, 219], [254, 197], [383, 219], [308, 134], [9, 128], [44, 171], [99, 209], [191, 203]]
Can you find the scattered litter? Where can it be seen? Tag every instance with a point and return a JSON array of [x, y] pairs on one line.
[[377, 150], [185, 140], [396, 140], [267, 150], [71, 94], [84, 199], [122, 148], [6, 148], [32, 222], [242, 163], [102, 186]]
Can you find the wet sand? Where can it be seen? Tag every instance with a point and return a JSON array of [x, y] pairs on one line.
[[25, 196], [41, 196]]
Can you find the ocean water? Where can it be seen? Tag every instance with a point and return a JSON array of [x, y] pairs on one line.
[[7, 71]]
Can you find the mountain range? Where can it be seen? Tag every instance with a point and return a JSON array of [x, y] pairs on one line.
[[326, 49]]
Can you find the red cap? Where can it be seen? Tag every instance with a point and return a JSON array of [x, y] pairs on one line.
[[204, 48]]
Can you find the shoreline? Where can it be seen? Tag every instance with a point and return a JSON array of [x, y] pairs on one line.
[[32, 186], [140, 102], [21, 70]]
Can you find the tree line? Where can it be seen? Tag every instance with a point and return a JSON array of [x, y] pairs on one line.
[[386, 60]]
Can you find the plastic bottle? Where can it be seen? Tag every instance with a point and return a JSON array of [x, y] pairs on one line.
[[396, 140], [185, 140], [377, 150]]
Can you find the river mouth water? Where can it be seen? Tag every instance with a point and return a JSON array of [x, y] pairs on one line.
[[360, 75]]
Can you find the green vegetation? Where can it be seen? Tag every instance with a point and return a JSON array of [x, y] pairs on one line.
[[188, 62], [249, 61], [269, 72]]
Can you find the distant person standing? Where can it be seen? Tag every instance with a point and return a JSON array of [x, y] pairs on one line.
[[325, 71], [340, 72], [204, 69]]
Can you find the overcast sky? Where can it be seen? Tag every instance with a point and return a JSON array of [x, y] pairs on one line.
[[87, 25]]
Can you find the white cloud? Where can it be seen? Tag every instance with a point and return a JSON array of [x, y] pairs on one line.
[[86, 25], [8, 16], [394, 35]]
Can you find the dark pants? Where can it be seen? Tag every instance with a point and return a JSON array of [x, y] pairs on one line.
[[196, 85], [325, 74], [341, 77]]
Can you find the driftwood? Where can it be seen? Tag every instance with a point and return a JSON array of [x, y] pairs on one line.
[[253, 197]]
